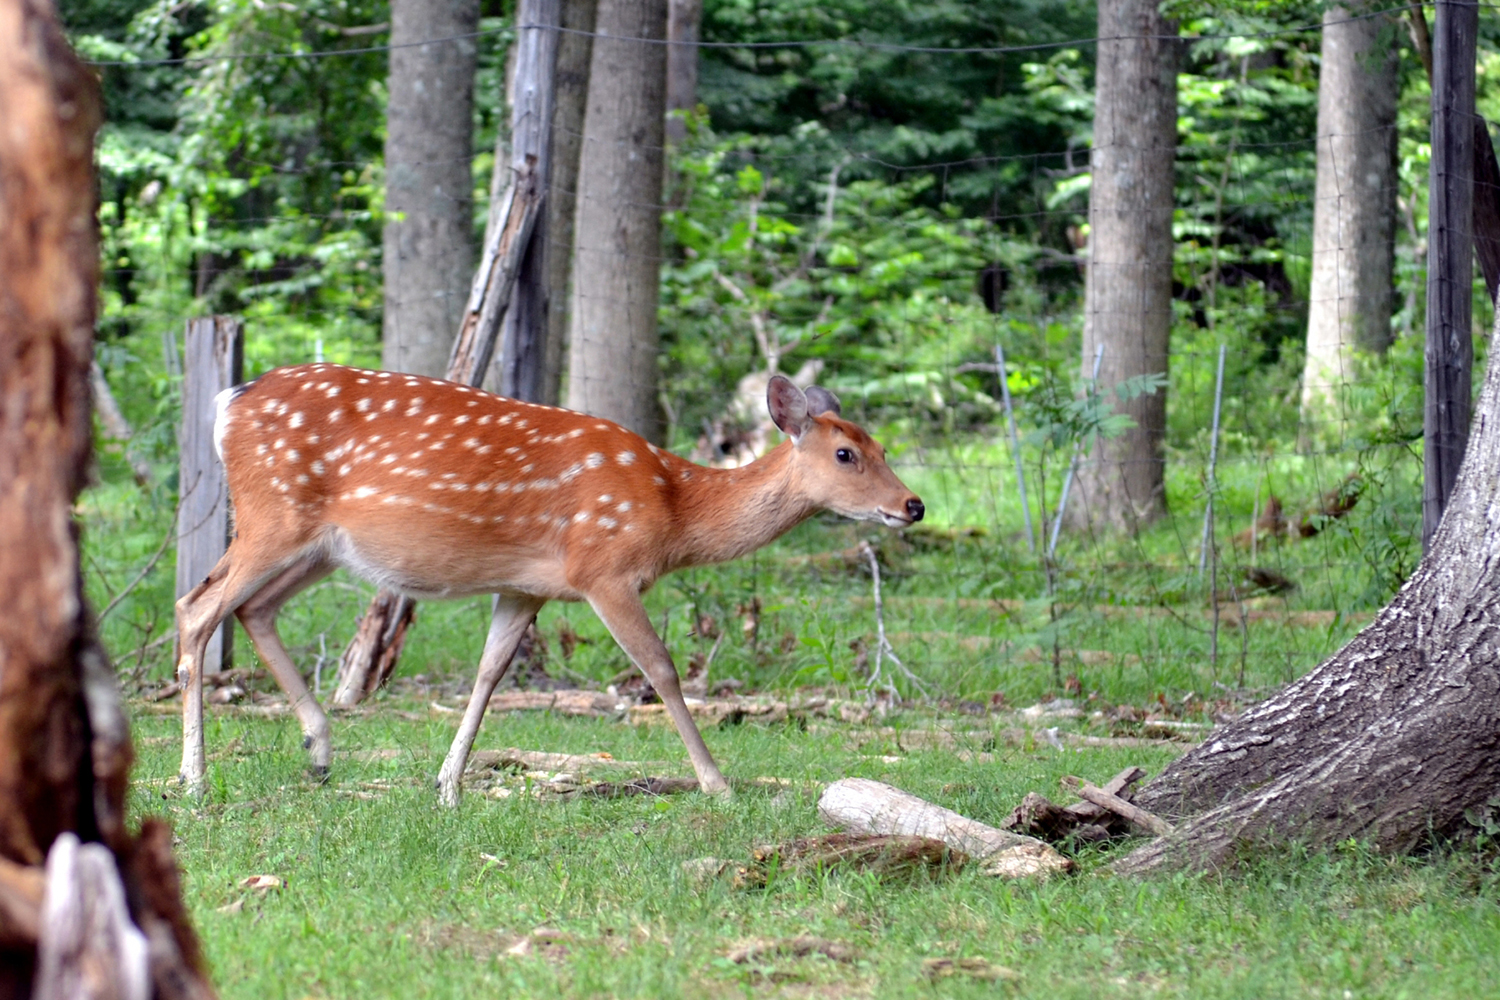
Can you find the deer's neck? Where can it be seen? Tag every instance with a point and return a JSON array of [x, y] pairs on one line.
[[726, 513]]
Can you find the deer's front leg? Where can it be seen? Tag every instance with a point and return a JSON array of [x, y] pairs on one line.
[[512, 614], [625, 617]]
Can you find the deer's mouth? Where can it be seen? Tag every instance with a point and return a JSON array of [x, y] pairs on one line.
[[892, 520]]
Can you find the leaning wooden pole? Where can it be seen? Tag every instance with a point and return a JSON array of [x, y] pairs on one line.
[[514, 248], [87, 908], [1450, 257]]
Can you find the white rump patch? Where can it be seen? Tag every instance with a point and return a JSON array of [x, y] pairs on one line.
[[221, 417]]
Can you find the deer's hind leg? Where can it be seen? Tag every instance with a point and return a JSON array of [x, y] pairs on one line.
[[258, 617], [239, 574], [513, 612]]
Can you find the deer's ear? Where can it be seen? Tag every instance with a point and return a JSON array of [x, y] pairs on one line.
[[820, 400], [788, 407]]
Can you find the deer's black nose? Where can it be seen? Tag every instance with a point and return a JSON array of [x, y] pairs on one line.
[[914, 509]]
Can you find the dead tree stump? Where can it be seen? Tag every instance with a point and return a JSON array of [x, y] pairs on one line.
[[105, 918]]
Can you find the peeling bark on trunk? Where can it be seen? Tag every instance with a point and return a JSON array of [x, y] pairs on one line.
[[1392, 738], [65, 748]]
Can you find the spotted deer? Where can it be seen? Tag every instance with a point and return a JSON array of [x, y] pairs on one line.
[[437, 489]]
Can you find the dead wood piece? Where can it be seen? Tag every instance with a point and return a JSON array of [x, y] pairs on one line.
[[889, 856], [639, 786], [371, 656], [21, 888], [975, 968], [1038, 816], [87, 946], [540, 760], [860, 805], [1149, 822], [594, 704], [716, 712], [1118, 785], [797, 947]]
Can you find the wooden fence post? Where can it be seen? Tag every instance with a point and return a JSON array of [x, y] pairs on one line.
[[214, 361], [1450, 257]]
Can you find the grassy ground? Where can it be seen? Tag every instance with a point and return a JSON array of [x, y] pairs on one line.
[[389, 895]]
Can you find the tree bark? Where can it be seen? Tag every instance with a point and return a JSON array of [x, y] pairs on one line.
[[1392, 738], [428, 244], [684, 19], [570, 98], [1354, 206], [612, 367], [65, 749], [1128, 281]]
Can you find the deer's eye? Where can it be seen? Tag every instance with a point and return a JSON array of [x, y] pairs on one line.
[[844, 455]]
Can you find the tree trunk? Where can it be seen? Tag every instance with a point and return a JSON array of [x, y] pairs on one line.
[[1392, 738], [65, 749], [1128, 282], [684, 19], [429, 245], [1354, 205], [570, 97], [613, 344]]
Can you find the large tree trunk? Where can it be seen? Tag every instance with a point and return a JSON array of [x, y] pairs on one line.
[[1392, 738], [1128, 282], [429, 243], [569, 99], [1354, 206], [65, 748], [616, 264]]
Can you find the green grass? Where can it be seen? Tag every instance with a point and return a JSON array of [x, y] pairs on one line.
[[389, 895]]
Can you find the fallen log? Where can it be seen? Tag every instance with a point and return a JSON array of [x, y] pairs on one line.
[[860, 805]]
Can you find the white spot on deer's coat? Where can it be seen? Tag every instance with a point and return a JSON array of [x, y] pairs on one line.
[[430, 420], [601, 427], [461, 419], [334, 390], [365, 491], [302, 479], [363, 405], [414, 407], [625, 457], [581, 516], [260, 449], [387, 460], [625, 505], [607, 522], [594, 460], [388, 405], [486, 419], [270, 406], [567, 475], [318, 467], [333, 417], [575, 432], [295, 421], [658, 480], [605, 498], [507, 418]]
